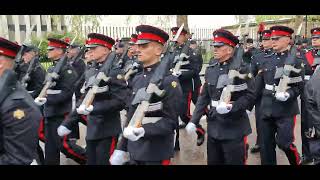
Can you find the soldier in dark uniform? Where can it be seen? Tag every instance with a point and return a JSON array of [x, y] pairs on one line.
[[249, 51], [37, 74], [33, 81], [255, 66], [186, 78], [104, 124], [228, 123], [19, 115], [308, 60], [153, 143], [278, 109], [312, 111], [58, 101]]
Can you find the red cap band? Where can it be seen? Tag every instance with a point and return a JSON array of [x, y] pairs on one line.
[[98, 41], [134, 40], [151, 36], [315, 32], [7, 52], [56, 44], [280, 33], [224, 40], [267, 35]]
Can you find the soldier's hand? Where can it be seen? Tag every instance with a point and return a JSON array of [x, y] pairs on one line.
[[82, 109], [282, 96], [191, 128], [40, 101], [132, 133], [223, 108], [62, 131], [177, 74], [119, 157]]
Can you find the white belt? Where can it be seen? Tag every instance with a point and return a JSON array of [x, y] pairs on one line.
[[307, 77], [30, 92], [147, 120], [270, 87], [214, 103], [51, 91]]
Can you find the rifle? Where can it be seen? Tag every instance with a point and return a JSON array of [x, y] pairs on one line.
[[232, 74], [134, 68], [125, 52], [181, 60], [33, 62], [285, 80], [52, 77], [103, 74]]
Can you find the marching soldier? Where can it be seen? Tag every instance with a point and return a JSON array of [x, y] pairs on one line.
[[104, 126], [186, 78], [255, 66], [278, 106], [250, 51], [153, 143], [19, 115], [58, 101], [228, 122], [308, 61], [37, 74], [312, 102]]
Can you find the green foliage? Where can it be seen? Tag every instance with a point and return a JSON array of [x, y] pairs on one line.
[[44, 44], [261, 18]]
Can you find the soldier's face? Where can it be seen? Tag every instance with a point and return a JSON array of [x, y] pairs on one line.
[[149, 53], [133, 49], [55, 53], [267, 43], [280, 44], [27, 56], [72, 52], [5, 63], [182, 39], [99, 53], [88, 56], [222, 53], [193, 46], [316, 42]]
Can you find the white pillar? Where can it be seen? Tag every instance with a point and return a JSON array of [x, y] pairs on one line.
[[38, 22], [4, 32], [15, 19]]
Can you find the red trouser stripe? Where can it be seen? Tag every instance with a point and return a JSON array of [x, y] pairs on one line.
[[245, 142], [70, 151], [113, 146], [200, 130], [165, 162], [189, 104], [294, 125], [296, 153], [84, 117], [41, 130]]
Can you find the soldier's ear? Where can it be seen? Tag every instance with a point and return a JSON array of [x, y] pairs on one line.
[[159, 49]]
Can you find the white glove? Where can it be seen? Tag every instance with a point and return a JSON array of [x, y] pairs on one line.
[[282, 96], [40, 101], [191, 128], [177, 74], [83, 110], [62, 131], [119, 157], [132, 133], [223, 108]]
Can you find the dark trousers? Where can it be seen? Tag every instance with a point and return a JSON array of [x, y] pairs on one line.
[[257, 113], [304, 128], [278, 131], [163, 162], [226, 152], [99, 151], [185, 113], [53, 142], [73, 151]]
